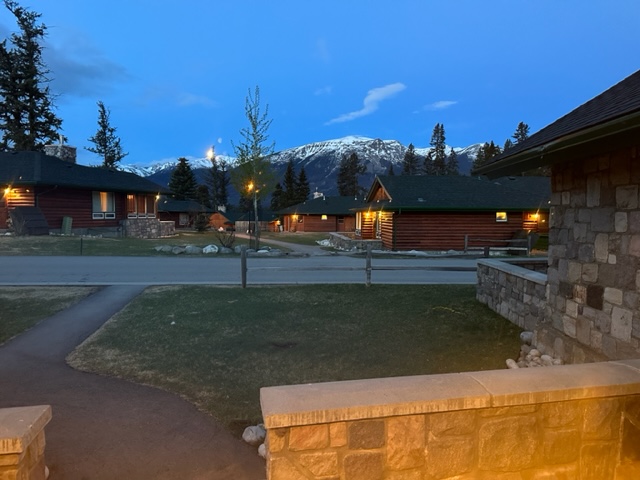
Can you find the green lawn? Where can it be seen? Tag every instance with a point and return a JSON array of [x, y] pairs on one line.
[[217, 346], [74, 245], [23, 307]]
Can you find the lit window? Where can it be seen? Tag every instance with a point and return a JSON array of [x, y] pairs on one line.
[[324, 217], [103, 205], [501, 216]]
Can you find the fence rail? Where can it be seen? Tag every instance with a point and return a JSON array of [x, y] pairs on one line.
[[368, 268], [518, 244]]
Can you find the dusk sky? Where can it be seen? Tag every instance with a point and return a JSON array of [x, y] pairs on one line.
[[175, 74]]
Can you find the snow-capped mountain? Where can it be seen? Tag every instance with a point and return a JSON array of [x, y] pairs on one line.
[[321, 161]]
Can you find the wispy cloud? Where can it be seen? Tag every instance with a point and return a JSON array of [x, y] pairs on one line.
[[371, 102], [189, 99], [440, 105], [323, 91]]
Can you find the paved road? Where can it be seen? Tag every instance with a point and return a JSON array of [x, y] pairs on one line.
[[226, 271]]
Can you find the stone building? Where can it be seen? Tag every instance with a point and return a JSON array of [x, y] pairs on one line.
[[593, 276]]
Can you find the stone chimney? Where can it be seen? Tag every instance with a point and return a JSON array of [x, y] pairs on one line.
[[61, 151]]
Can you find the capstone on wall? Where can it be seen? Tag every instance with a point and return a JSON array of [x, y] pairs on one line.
[[594, 253]]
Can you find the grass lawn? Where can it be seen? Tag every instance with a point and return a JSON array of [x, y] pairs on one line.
[[23, 307], [73, 245], [217, 346]]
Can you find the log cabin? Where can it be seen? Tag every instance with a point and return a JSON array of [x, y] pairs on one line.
[[87, 199], [322, 214], [435, 213]]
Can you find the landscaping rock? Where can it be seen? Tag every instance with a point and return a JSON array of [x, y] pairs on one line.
[[164, 248], [512, 363], [254, 435], [225, 250], [192, 250], [526, 337], [237, 249], [262, 451], [210, 249], [177, 250]]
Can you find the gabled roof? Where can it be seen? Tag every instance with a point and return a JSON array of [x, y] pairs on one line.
[[615, 112], [455, 192], [36, 168], [338, 205], [168, 204]]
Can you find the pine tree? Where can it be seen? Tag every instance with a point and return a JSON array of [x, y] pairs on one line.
[[276, 198], [410, 161], [107, 144], [507, 145], [27, 118], [302, 186], [427, 167], [289, 190], [350, 168], [521, 133], [217, 180], [203, 196], [439, 155], [390, 172], [452, 167], [183, 182], [485, 153]]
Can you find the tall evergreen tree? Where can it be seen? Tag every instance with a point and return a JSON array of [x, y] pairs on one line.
[[438, 148], [276, 198], [289, 186], [521, 133], [27, 118], [183, 182], [428, 167], [302, 186], [203, 196], [390, 172], [350, 168], [507, 145], [452, 167], [107, 144], [410, 161], [217, 180], [486, 153]]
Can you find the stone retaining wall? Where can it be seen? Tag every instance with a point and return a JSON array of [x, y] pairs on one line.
[[573, 421], [514, 289], [22, 442], [147, 228], [344, 242]]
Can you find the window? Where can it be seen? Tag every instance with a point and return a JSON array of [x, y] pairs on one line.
[[501, 216], [103, 205], [141, 206], [340, 219]]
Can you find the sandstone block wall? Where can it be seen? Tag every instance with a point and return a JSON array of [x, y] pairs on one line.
[[594, 258], [22, 442], [147, 228], [517, 292], [574, 421]]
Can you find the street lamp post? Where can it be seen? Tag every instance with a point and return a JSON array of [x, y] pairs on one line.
[[256, 225]]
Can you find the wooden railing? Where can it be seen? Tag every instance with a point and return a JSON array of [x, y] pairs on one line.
[[514, 244]]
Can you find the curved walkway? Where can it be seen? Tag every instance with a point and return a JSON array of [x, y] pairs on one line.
[[105, 428]]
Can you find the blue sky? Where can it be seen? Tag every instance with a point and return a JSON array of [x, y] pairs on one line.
[[175, 74]]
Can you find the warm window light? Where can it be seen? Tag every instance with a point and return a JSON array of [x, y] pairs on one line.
[[324, 217], [501, 216]]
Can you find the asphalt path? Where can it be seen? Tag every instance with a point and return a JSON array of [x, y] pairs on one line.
[[107, 270]]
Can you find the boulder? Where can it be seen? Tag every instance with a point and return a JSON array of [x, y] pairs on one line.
[[210, 249], [512, 363], [164, 248], [254, 435], [192, 250], [262, 450], [177, 250], [526, 337], [225, 250]]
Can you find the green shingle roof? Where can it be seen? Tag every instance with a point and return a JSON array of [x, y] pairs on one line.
[[325, 206], [36, 168], [453, 192]]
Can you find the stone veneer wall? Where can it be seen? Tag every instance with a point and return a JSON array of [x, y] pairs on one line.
[[344, 242], [22, 442], [147, 228], [514, 290], [594, 259], [572, 421]]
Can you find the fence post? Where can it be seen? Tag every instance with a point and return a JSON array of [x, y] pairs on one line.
[[243, 265], [368, 265], [466, 242], [529, 244]]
